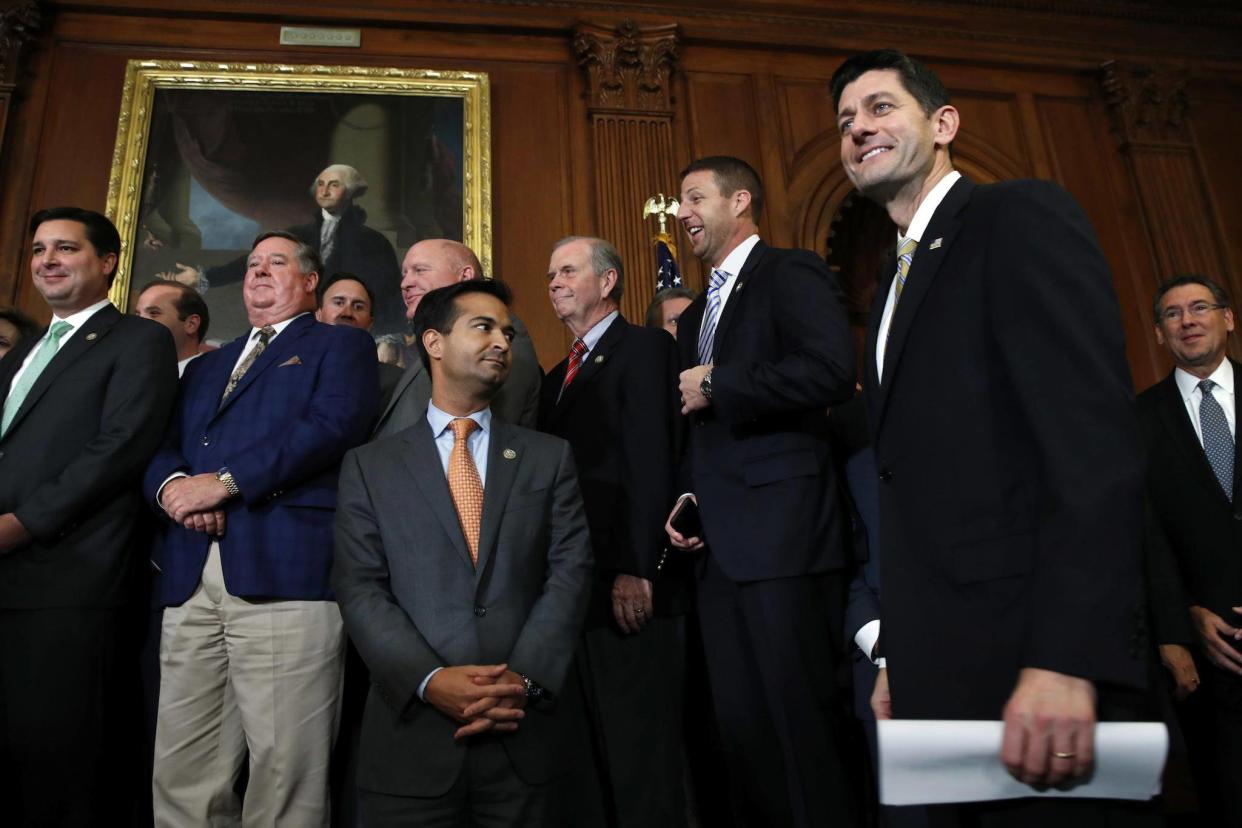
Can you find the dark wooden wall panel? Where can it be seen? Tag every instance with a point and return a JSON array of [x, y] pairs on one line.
[[749, 79], [1092, 172]]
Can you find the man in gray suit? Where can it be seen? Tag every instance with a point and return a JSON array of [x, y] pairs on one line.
[[437, 263], [462, 571]]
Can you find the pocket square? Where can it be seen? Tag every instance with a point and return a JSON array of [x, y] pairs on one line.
[[293, 360]]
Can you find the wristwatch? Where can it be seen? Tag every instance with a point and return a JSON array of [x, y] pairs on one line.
[[705, 387], [533, 691], [230, 485]]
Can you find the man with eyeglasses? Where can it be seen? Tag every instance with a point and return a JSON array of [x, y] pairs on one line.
[[1188, 422]]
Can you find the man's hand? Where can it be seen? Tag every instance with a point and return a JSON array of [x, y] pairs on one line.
[[1049, 728], [210, 522], [678, 540], [465, 694], [631, 602], [184, 273], [1181, 665], [1214, 635], [183, 496], [13, 534], [881, 699], [692, 398]]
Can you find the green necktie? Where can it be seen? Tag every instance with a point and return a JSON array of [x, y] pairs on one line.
[[47, 350]]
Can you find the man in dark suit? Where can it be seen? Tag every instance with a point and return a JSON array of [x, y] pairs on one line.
[[1000, 410], [344, 299], [247, 479], [766, 350], [1188, 422], [437, 263], [83, 408], [463, 567], [614, 400]]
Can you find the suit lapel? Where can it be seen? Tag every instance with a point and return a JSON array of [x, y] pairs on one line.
[[92, 332], [14, 359], [688, 330], [1182, 432], [940, 232], [720, 342], [278, 349], [411, 372], [423, 461], [505, 452], [592, 365], [884, 283]]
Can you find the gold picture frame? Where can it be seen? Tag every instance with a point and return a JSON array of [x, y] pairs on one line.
[[208, 153]]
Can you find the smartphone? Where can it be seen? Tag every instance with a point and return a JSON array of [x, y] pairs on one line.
[[687, 520]]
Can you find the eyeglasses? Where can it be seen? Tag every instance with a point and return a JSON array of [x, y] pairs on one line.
[[1198, 310]]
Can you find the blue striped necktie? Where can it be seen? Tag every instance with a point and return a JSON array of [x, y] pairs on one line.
[[711, 316]]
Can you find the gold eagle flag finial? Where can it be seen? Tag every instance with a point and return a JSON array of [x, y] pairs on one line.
[[662, 207]]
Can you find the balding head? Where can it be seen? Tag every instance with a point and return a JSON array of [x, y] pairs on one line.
[[435, 263]]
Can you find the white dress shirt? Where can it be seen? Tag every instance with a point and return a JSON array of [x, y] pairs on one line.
[[592, 337], [1188, 385], [732, 265], [77, 320], [922, 216]]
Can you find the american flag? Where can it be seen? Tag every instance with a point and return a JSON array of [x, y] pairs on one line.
[[667, 274]]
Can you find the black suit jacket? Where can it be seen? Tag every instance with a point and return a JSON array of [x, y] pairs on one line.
[[1194, 540], [412, 601], [621, 416], [71, 462], [1011, 475], [758, 458]]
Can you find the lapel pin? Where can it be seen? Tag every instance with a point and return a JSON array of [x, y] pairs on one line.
[[92, 336], [510, 454], [936, 244], [599, 359]]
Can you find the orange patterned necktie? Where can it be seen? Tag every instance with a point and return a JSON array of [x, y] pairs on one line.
[[465, 485]]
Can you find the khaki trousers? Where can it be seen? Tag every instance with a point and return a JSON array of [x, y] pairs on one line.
[[238, 676]]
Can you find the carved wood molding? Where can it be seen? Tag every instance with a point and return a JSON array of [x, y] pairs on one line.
[[627, 66], [18, 25], [1147, 103]]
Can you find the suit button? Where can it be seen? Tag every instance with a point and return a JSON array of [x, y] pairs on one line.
[[886, 475], [206, 440], [480, 611]]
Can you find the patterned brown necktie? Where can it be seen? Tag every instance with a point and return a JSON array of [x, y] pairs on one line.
[[465, 485], [265, 333]]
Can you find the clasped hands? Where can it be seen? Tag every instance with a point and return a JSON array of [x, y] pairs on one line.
[[1049, 737], [480, 697], [194, 502]]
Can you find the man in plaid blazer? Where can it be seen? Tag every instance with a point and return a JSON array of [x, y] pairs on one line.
[[252, 640]]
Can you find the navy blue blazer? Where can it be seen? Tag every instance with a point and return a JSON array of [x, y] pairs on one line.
[[311, 396]]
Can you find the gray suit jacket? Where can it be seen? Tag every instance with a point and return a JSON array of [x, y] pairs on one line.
[[517, 401], [413, 602]]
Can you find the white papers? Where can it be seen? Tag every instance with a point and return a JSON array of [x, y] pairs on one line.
[[929, 762]]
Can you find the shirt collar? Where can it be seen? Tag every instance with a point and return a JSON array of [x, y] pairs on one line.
[[439, 419], [277, 326], [736, 259], [78, 319], [1188, 382], [328, 218], [592, 337], [922, 216]]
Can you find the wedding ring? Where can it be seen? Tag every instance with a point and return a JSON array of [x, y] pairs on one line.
[[1058, 755]]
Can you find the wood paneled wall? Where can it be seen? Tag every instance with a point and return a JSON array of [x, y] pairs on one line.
[[1147, 143]]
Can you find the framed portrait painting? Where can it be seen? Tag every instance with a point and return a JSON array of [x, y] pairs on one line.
[[359, 162]]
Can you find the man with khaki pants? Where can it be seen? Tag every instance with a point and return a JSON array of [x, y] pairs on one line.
[[247, 480]]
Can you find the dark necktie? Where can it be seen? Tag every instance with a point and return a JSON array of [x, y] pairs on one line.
[[265, 334], [1217, 441]]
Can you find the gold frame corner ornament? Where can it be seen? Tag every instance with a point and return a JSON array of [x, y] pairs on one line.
[[143, 78]]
